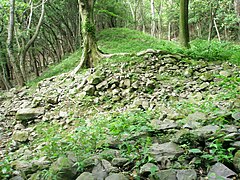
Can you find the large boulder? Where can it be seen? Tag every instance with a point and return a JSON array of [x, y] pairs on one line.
[[220, 171], [29, 113], [169, 149], [64, 169], [236, 161]]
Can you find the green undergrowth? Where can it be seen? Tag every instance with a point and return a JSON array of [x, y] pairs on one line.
[[131, 41], [53, 70], [122, 40], [90, 136]]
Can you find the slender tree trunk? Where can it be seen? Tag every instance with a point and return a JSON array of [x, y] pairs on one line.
[[90, 54], [17, 71], [30, 42], [184, 30], [215, 25], [169, 30], [237, 10], [153, 22]]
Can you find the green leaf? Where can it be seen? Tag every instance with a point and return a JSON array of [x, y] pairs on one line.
[[195, 151]]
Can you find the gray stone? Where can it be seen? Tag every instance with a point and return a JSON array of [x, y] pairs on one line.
[[145, 104], [206, 77], [236, 161], [53, 99], [189, 174], [236, 116], [188, 72], [94, 79], [225, 73], [23, 166], [64, 169], [20, 136], [169, 150], [29, 113], [17, 178], [236, 144], [99, 172], [119, 161], [89, 89], [81, 95], [36, 102], [126, 83], [148, 168], [230, 129], [41, 163], [166, 175], [192, 124], [115, 176], [206, 130], [103, 85], [135, 85], [86, 176], [164, 125], [220, 171], [163, 162], [196, 116], [203, 86]]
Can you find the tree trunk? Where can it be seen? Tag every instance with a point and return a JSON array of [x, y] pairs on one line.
[[17, 72], [30, 42], [153, 22], [90, 54], [215, 25], [237, 10], [184, 31]]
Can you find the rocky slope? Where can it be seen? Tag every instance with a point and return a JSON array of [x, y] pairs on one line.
[[185, 122]]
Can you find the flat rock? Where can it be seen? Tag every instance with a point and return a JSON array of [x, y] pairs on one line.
[[147, 168], [236, 161], [64, 168], [20, 135], [115, 176], [164, 125], [206, 130], [169, 150], [29, 113], [189, 174], [86, 176], [196, 116], [119, 161], [220, 171], [167, 174], [236, 116]]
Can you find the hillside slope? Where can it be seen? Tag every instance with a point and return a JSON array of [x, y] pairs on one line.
[[159, 115]]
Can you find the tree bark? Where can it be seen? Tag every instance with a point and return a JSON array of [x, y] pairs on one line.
[[90, 54], [153, 22], [237, 10], [184, 30], [17, 71], [30, 42]]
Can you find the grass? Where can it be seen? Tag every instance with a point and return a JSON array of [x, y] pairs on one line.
[[65, 66], [123, 40], [122, 127]]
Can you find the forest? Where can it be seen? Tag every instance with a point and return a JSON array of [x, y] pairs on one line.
[[36, 34], [119, 89]]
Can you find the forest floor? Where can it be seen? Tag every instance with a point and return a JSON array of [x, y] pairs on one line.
[[166, 113]]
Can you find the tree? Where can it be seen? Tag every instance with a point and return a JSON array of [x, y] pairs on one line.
[[15, 65], [184, 31], [90, 54]]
